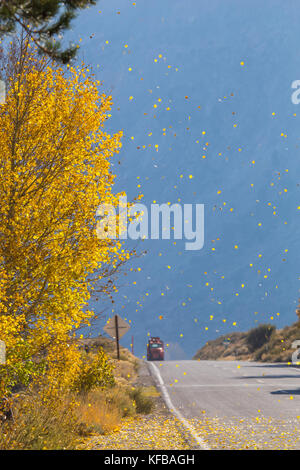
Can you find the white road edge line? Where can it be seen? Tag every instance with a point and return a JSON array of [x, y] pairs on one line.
[[202, 444]]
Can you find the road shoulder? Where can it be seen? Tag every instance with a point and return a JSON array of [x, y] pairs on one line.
[[159, 430]]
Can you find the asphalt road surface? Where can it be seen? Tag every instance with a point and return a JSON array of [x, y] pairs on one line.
[[235, 404]]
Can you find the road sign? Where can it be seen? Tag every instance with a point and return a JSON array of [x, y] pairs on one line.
[[110, 327], [2, 352], [116, 327]]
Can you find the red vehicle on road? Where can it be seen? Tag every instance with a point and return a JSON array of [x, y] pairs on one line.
[[155, 349]]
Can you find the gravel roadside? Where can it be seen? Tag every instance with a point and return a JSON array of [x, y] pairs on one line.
[[159, 430]]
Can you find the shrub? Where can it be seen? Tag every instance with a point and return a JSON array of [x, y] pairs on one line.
[[39, 426], [144, 404], [96, 371], [119, 397], [259, 336]]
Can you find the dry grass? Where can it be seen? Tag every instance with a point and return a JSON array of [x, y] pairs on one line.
[[96, 414], [151, 392], [63, 424], [66, 423], [125, 371], [102, 411], [39, 426]]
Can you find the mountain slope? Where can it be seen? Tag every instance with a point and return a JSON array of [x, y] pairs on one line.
[[239, 346]]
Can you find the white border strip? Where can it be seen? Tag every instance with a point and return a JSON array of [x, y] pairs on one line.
[[202, 444]]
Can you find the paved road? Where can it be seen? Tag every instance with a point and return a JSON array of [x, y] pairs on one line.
[[243, 403]]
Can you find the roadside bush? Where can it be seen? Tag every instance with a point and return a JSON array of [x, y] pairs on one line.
[[259, 336], [144, 404], [39, 426], [95, 371], [119, 397]]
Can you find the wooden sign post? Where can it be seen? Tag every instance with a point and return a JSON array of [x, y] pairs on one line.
[[116, 327], [117, 337]]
